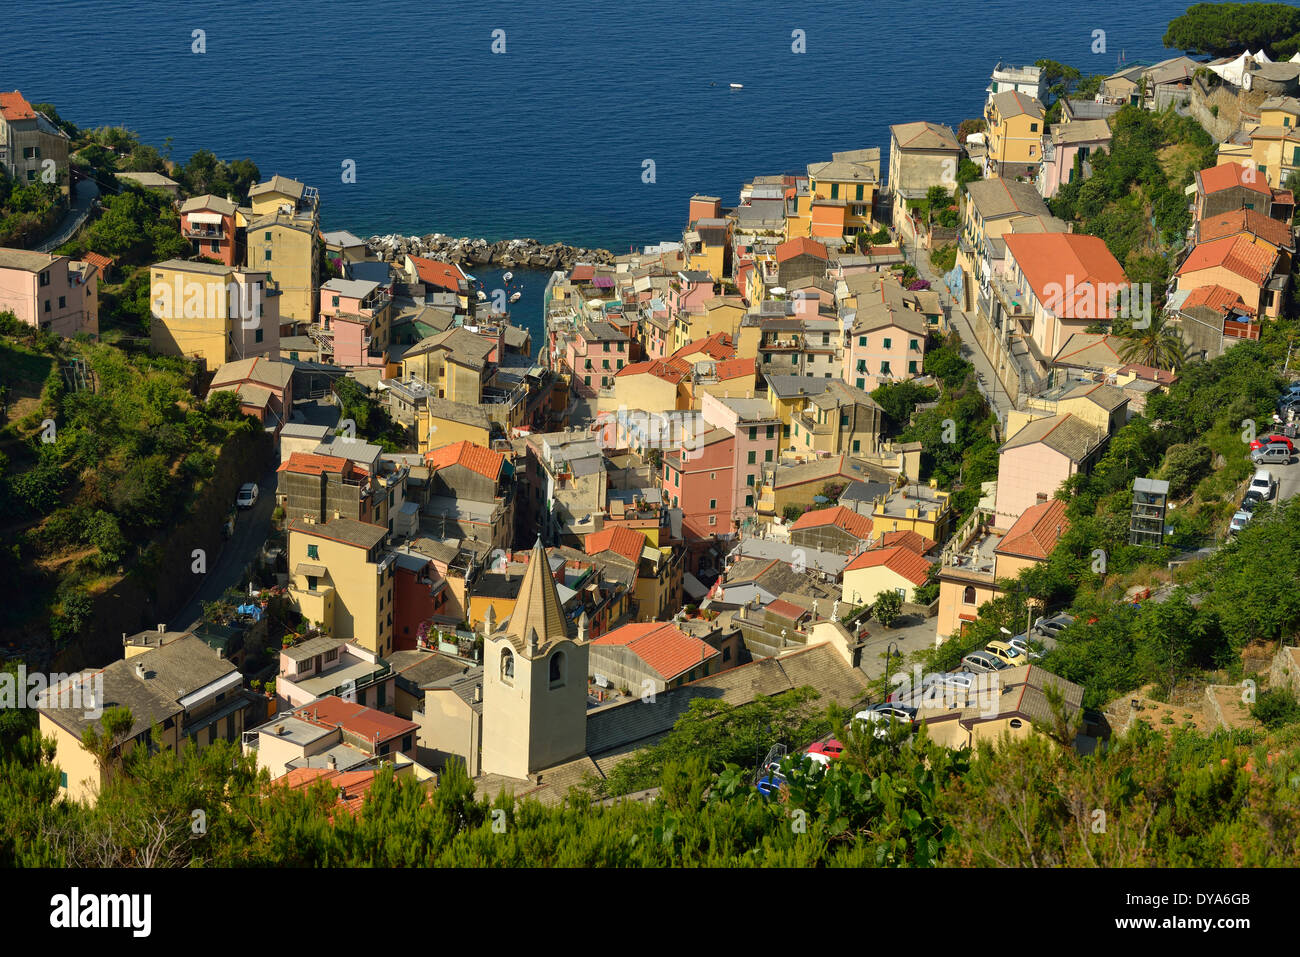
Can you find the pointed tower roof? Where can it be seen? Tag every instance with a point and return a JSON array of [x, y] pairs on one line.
[[538, 605]]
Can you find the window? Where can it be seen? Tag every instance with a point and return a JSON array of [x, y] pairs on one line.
[[604, 363], [753, 435], [63, 780], [861, 383], [606, 346], [785, 431], [44, 279], [911, 367], [858, 195], [713, 520], [268, 235], [266, 256], [767, 456], [63, 302], [47, 305], [257, 336], [334, 301], [857, 445], [382, 699], [586, 380], [835, 190], [620, 363], [767, 357], [889, 343], [749, 479], [713, 503], [913, 345], [311, 582], [507, 665], [713, 476], [862, 365], [1033, 128], [884, 368], [771, 431], [313, 551], [968, 596], [753, 457], [216, 246], [557, 670], [844, 420], [1016, 722], [749, 500], [862, 340]]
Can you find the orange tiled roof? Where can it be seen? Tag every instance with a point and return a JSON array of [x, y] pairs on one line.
[[582, 273], [673, 371], [13, 106], [800, 246], [1035, 533], [1227, 175], [661, 645], [1058, 265], [855, 523], [906, 538], [1219, 298], [1246, 221], [786, 609], [366, 723], [901, 561], [476, 458], [735, 368], [443, 275], [618, 539], [1234, 253], [351, 786], [716, 346], [99, 261], [308, 463]]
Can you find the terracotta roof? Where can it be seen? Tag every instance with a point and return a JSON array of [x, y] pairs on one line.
[[1234, 253], [661, 645], [1219, 298], [97, 260], [668, 371], [474, 457], [443, 275], [855, 523], [618, 539], [901, 561], [1246, 221], [1035, 533], [716, 346], [350, 787], [366, 723], [13, 106], [786, 609], [582, 273], [1061, 265], [308, 463], [800, 246], [1227, 175], [735, 368], [906, 538]]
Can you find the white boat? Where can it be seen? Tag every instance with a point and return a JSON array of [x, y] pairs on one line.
[[482, 296], [516, 297], [508, 276], [737, 86]]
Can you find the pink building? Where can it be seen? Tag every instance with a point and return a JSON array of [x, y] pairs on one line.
[[688, 292], [53, 293], [700, 481], [758, 438], [355, 314], [1034, 462], [209, 223], [595, 355], [885, 345], [1062, 144]]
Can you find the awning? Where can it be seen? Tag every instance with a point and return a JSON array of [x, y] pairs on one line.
[[317, 571], [213, 219]]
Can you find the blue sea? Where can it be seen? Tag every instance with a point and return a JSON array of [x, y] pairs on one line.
[[552, 138]]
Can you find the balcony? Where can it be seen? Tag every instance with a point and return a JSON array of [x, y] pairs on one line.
[[789, 342], [205, 233]]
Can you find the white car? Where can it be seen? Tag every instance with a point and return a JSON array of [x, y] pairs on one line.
[[1262, 482], [247, 497]]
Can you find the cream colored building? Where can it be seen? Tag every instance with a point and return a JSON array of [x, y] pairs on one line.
[[534, 681], [284, 245], [213, 313]]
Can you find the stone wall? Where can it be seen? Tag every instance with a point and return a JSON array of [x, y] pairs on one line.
[[508, 253], [1223, 109]]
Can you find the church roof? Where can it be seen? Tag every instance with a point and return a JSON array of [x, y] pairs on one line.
[[538, 606]]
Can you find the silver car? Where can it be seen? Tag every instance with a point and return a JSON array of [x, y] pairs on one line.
[[981, 662]]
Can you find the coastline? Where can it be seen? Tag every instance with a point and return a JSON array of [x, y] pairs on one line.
[[469, 251]]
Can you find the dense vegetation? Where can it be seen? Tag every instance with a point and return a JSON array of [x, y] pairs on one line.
[[1226, 29]]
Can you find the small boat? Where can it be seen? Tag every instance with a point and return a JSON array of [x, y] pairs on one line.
[[516, 297], [482, 296], [737, 86], [508, 276]]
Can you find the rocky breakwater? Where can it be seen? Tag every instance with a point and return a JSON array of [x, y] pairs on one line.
[[508, 253]]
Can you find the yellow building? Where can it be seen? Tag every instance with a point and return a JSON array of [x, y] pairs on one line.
[[285, 246], [282, 194], [721, 314], [652, 386], [842, 196], [453, 363], [212, 313], [1006, 709], [184, 688], [1015, 135], [708, 246], [441, 421], [924, 509], [341, 579]]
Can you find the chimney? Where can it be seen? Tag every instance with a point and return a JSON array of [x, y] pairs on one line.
[[139, 670], [478, 693], [162, 629], [333, 763]]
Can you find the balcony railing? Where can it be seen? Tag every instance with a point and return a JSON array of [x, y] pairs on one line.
[[204, 232]]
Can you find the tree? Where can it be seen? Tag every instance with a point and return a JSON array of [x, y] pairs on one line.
[[1276, 707], [887, 607], [103, 742], [1158, 344], [1185, 465], [1056, 80], [1224, 29]]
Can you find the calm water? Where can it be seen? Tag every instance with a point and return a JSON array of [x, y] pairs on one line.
[[549, 139]]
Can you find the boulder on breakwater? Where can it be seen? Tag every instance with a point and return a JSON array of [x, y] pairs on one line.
[[507, 254]]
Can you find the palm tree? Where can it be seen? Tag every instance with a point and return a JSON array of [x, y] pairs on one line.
[[1159, 344]]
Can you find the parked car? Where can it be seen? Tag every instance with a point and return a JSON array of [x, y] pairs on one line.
[[1264, 482], [1274, 438], [1252, 500], [825, 751], [247, 496], [1273, 454], [1021, 644], [1054, 625], [1239, 521], [1006, 652], [771, 781], [882, 717], [981, 662]]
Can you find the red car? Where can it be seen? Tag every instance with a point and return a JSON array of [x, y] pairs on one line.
[[1259, 443], [824, 752]]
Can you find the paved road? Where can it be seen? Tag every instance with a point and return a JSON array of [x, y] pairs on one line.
[[971, 351], [252, 525], [87, 193], [912, 634]]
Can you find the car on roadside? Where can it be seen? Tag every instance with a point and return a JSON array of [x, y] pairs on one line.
[[1007, 653], [1263, 482], [247, 496], [1027, 648], [1239, 521], [1274, 453], [882, 717], [1054, 625], [1252, 500], [981, 662], [1273, 438], [824, 752]]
